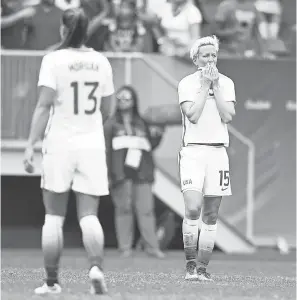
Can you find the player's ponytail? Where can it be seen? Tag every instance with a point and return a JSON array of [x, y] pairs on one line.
[[76, 22]]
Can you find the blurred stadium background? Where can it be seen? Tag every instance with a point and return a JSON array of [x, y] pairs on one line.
[[256, 223], [262, 210]]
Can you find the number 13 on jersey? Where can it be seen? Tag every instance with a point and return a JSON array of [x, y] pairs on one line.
[[89, 93]]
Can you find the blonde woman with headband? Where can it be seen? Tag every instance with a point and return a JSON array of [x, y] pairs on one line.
[[207, 99]]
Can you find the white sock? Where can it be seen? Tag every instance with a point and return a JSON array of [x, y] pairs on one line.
[[52, 245], [190, 238], [206, 244], [93, 239]]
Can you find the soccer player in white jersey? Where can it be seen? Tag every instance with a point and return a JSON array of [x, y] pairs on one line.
[[207, 100], [76, 84]]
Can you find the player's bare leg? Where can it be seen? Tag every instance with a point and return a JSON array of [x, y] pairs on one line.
[[207, 235], [93, 239], [52, 239], [193, 200]]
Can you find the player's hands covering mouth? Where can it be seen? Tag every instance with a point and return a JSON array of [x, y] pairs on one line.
[[210, 73]]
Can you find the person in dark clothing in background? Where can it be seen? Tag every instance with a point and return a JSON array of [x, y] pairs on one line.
[[14, 24], [129, 144], [44, 27], [97, 11]]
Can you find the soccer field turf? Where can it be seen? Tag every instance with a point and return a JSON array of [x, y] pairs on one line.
[[236, 277]]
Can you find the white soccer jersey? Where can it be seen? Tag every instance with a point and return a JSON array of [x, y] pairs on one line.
[[210, 127], [80, 77]]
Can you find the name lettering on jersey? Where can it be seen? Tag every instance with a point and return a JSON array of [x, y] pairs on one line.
[[84, 65], [186, 182]]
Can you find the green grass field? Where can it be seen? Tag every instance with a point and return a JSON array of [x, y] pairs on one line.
[[265, 276]]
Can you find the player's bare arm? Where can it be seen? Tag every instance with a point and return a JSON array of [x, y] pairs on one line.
[[41, 114], [193, 110], [226, 108], [107, 107], [38, 125]]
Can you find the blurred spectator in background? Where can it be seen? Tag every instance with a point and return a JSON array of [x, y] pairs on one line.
[[236, 24], [129, 144], [44, 28], [179, 26], [97, 11], [292, 41], [269, 27], [199, 4], [14, 24], [140, 5], [126, 32], [155, 8], [67, 4], [271, 11]]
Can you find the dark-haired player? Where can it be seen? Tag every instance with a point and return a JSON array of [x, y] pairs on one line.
[[76, 84]]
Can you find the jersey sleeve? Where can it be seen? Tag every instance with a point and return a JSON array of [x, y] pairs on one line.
[[108, 87], [184, 93], [230, 92], [46, 75]]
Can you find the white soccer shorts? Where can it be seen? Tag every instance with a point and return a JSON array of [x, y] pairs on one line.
[[83, 171], [205, 169]]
